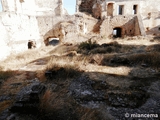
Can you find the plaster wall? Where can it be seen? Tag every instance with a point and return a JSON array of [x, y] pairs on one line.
[[19, 6], [19, 23]]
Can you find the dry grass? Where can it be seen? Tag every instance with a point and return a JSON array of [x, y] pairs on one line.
[[62, 68], [5, 104], [46, 102], [16, 61], [152, 59], [5, 74], [111, 47], [153, 48]]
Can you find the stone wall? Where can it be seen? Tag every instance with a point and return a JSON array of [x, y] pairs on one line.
[[16, 30], [128, 24], [147, 9], [69, 29], [24, 20]]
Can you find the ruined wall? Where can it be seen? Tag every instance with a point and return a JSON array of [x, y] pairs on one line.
[[16, 30], [69, 28], [148, 9], [86, 5], [19, 6], [151, 17], [128, 25], [49, 8], [19, 23]]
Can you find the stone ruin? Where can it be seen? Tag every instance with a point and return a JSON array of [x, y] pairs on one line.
[[124, 17], [41, 20]]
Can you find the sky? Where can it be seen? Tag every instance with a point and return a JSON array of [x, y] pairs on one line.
[[70, 6], [0, 6]]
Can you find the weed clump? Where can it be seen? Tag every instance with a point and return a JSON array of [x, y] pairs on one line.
[[61, 71], [94, 48], [88, 45], [152, 59], [4, 74]]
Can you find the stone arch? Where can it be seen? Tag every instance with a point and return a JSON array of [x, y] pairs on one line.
[[56, 32], [51, 40]]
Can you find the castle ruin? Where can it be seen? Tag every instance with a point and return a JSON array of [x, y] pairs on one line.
[[124, 17], [40, 20]]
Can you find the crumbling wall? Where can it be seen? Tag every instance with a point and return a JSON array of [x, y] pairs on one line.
[[50, 8], [128, 24], [70, 29], [19, 6], [148, 9], [19, 22], [16, 30], [86, 6]]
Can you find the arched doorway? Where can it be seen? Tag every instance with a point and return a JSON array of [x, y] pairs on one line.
[[51, 40], [117, 32], [110, 9]]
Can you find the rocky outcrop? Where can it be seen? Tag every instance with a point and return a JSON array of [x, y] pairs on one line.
[[28, 99], [84, 93]]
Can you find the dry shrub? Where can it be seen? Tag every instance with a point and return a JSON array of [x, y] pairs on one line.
[[5, 104], [153, 48], [94, 48], [106, 59], [152, 59], [61, 68], [88, 45], [40, 75], [46, 101], [4, 74], [58, 71]]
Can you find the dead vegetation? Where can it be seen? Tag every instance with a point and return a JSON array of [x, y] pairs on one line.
[[113, 63]]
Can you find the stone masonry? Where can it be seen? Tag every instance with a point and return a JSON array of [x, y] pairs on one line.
[[127, 17]]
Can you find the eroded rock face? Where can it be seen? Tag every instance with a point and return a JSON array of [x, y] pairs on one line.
[[28, 99], [84, 93], [93, 93], [86, 6]]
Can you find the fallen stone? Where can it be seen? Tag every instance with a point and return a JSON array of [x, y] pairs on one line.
[[28, 99], [81, 89]]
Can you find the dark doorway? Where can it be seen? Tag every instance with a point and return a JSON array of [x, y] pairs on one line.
[[135, 9], [110, 9], [117, 32], [31, 44], [53, 41]]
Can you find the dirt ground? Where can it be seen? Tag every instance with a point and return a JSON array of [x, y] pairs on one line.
[[102, 80]]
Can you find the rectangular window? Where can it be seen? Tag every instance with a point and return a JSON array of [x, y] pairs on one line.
[[135, 9], [120, 9]]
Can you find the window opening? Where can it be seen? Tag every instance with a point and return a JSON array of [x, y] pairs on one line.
[[135, 9], [120, 9]]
